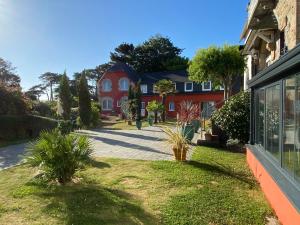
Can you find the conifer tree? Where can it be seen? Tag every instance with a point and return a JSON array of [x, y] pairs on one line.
[[84, 100], [65, 96]]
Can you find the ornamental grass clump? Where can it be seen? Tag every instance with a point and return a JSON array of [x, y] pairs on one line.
[[59, 156], [178, 142]]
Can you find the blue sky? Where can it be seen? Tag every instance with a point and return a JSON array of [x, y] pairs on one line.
[[53, 35]]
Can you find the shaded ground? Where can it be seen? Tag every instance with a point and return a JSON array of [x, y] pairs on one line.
[[215, 188], [11, 155]]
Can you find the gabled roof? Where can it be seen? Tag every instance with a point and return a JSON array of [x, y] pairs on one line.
[[176, 76], [123, 67]]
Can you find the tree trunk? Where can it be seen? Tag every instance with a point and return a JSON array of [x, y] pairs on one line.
[[51, 92], [164, 111]]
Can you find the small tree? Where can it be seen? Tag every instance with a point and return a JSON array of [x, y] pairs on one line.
[[164, 87], [233, 118], [154, 107], [131, 102], [138, 98], [222, 66], [65, 96], [84, 101]]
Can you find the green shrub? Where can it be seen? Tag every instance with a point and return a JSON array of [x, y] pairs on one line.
[[59, 156], [21, 127], [95, 115], [43, 109], [65, 126], [233, 118]]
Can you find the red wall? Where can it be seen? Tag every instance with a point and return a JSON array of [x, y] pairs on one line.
[[285, 211], [178, 98], [115, 94]]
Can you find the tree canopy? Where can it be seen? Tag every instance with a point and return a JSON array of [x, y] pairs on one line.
[[221, 65], [156, 54], [8, 76], [84, 100], [49, 79], [65, 96]]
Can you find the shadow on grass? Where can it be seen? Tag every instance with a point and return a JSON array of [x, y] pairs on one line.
[[224, 170], [82, 204], [98, 164]]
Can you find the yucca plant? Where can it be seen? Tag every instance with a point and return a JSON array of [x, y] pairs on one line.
[[178, 142], [59, 156]]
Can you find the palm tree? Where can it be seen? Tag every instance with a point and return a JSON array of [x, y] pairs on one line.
[[164, 87]]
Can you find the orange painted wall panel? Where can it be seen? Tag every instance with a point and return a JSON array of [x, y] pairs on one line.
[[285, 211]]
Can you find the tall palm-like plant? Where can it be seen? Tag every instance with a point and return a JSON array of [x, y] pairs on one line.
[[164, 87]]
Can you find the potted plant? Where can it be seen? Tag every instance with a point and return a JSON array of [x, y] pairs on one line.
[[196, 124], [208, 134], [178, 142], [188, 112], [150, 119]]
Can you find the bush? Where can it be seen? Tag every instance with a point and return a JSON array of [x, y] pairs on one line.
[[27, 126], [43, 109], [59, 156], [65, 126], [233, 118], [95, 115]]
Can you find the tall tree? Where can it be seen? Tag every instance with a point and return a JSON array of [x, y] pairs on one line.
[[164, 87], [8, 76], [123, 53], [50, 79], [138, 97], [84, 100], [221, 65], [131, 102], [35, 92], [149, 56], [65, 96]]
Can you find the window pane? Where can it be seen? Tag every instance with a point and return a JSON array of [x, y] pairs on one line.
[[206, 86], [289, 125], [297, 139], [272, 120], [188, 86], [259, 116]]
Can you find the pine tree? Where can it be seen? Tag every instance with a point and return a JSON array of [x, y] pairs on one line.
[[131, 102], [65, 96], [84, 100]]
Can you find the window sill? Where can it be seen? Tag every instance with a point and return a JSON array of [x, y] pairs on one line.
[[288, 185]]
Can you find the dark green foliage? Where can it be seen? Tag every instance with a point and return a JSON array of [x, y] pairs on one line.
[[35, 92], [65, 96], [22, 127], [131, 102], [8, 76], [43, 109], [138, 97], [233, 118], [84, 101], [153, 55], [49, 79], [176, 63], [59, 156], [12, 101], [95, 116], [65, 126]]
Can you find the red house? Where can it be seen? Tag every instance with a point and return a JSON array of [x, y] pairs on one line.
[[114, 84]]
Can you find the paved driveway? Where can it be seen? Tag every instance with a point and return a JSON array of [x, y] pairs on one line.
[[11, 155], [145, 144]]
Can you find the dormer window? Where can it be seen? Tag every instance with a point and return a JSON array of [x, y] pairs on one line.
[[206, 86], [144, 88], [188, 86], [123, 84], [106, 85]]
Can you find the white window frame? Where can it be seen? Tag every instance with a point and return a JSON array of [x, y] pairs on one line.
[[221, 88], [170, 109], [175, 86], [103, 85], [188, 90], [112, 104], [145, 90], [206, 89], [120, 84]]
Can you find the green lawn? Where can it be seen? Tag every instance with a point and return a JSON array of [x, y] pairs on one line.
[[216, 188]]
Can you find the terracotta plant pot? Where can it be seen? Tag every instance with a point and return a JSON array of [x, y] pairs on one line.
[[179, 155], [196, 124]]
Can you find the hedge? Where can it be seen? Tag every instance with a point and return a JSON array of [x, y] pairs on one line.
[[22, 127]]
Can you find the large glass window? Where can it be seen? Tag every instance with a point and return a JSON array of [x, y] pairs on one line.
[[272, 120], [106, 85], [107, 104], [277, 122], [207, 108], [123, 84]]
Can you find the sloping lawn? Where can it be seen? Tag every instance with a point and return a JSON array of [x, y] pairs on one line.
[[215, 188]]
